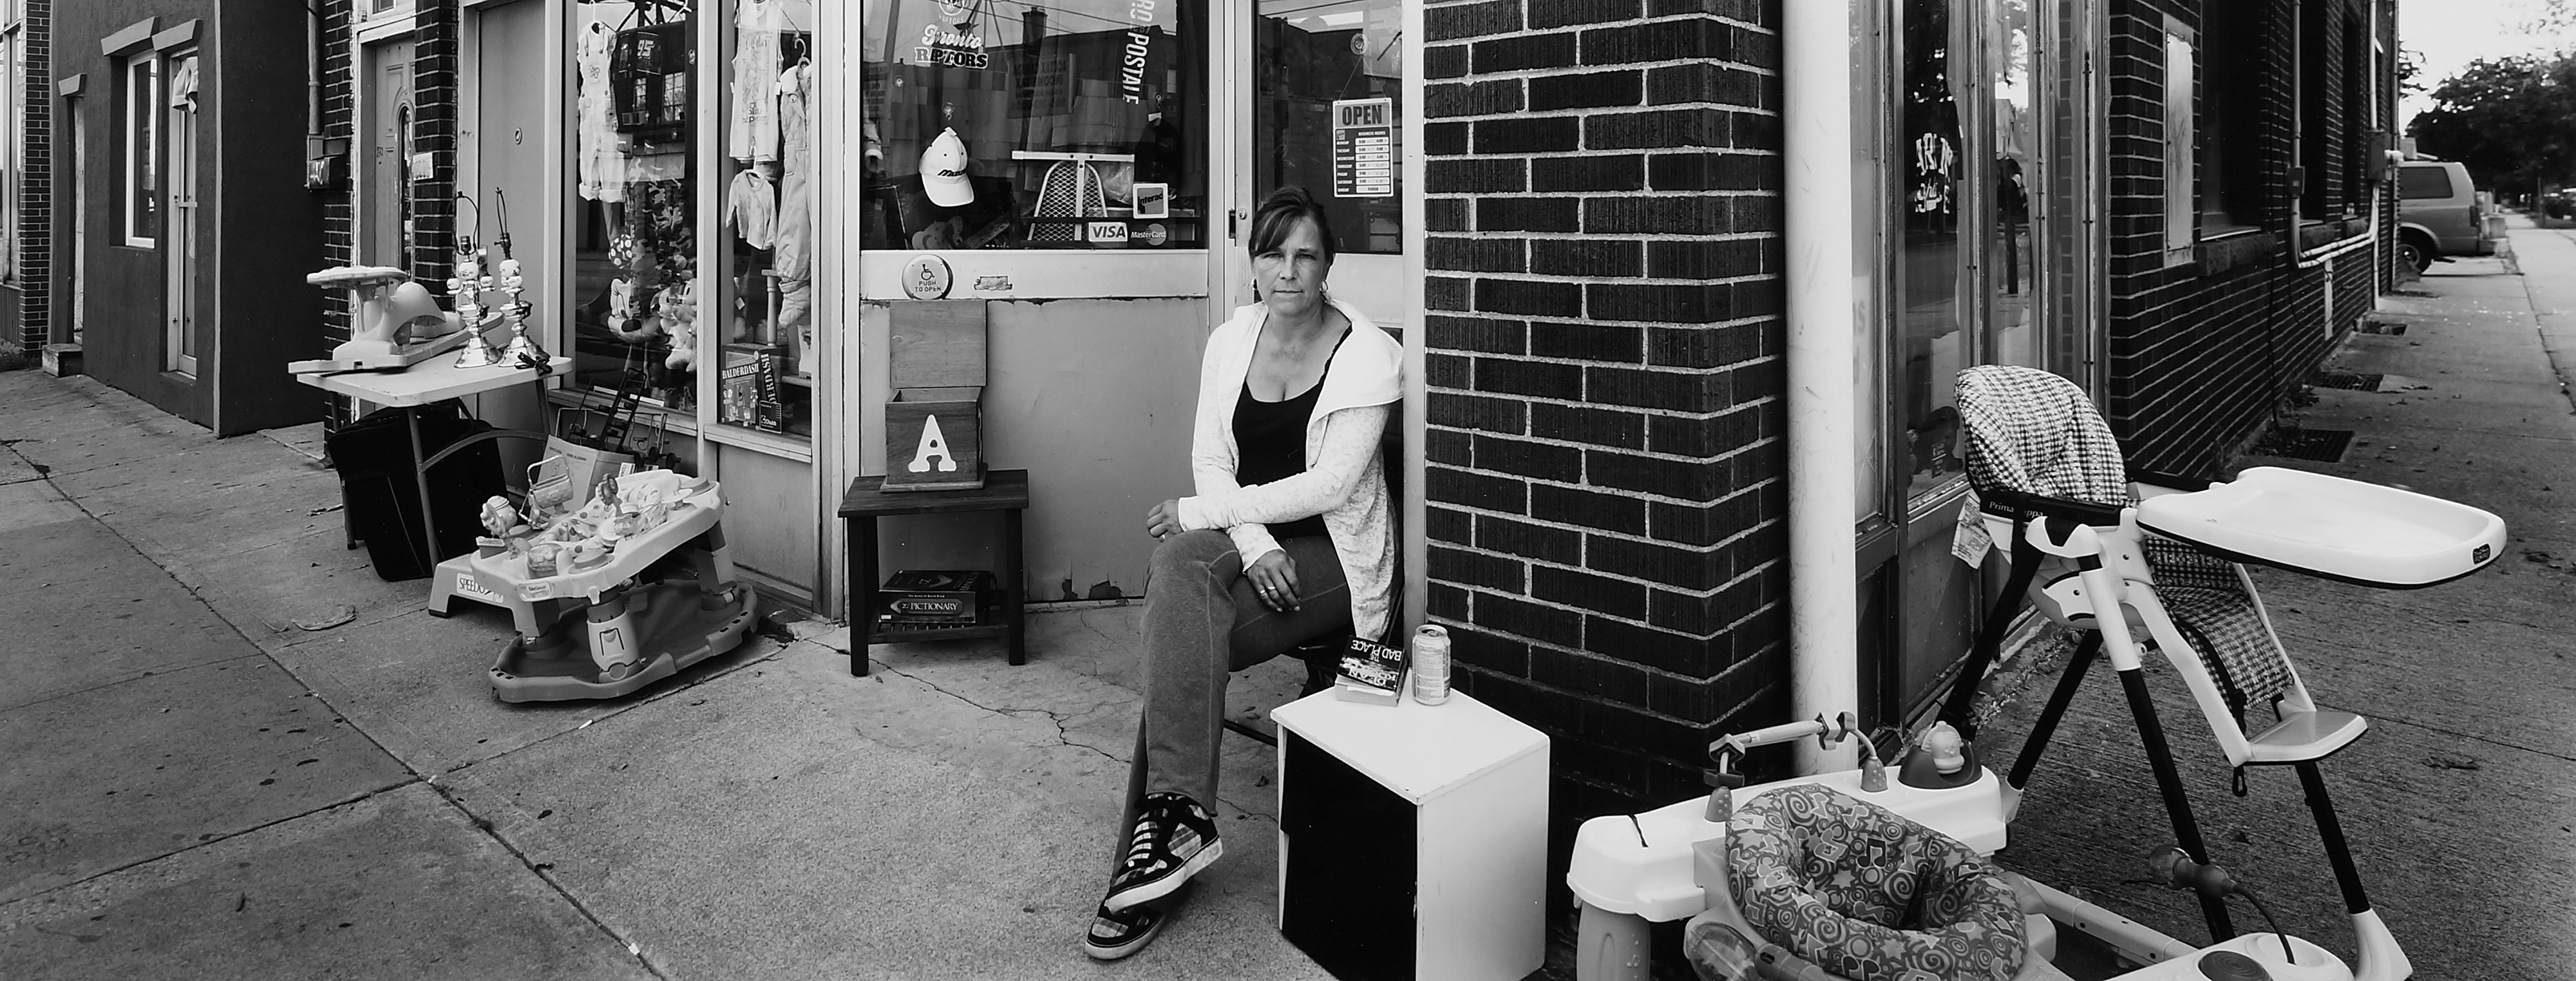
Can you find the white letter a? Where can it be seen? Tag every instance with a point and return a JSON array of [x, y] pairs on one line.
[[933, 443]]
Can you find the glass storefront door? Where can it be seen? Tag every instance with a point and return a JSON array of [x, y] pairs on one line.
[[1317, 96], [1988, 183], [386, 129]]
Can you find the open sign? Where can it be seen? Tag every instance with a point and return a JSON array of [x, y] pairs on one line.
[[1364, 112]]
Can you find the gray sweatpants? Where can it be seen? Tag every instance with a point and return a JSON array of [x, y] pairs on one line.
[[1202, 621]]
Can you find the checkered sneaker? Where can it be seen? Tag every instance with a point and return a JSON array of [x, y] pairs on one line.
[[1174, 839], [1118, 933]]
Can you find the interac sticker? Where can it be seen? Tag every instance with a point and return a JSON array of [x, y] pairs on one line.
[[1364, 148]]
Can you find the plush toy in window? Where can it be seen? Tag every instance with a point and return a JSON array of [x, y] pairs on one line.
[[680, 319], [629, 316]]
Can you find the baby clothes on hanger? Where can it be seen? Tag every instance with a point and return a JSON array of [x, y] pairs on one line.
[[602, 165], [795, 193], [751, 207], [751, 121]]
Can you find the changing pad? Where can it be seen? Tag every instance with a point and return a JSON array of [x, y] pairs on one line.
[[2328, 526]]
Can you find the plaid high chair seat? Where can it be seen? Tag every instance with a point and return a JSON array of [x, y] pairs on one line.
[[2034, 438]]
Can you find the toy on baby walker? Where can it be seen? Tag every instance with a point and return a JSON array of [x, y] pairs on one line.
[[640, 619]]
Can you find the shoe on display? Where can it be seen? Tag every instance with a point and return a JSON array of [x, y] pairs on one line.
[[1118, 933], [1174, 839]]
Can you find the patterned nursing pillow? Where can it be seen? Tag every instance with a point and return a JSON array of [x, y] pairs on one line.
[[1867, 894]]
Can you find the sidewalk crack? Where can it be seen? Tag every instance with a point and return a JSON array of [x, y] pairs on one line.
[[1061, 720]]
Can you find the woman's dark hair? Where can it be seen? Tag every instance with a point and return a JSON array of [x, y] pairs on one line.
[[1278, 214]]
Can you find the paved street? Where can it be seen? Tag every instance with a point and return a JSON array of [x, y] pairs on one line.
[[199, 787]]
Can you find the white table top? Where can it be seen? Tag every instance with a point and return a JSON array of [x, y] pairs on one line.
[[1416, 750], [434, 380]]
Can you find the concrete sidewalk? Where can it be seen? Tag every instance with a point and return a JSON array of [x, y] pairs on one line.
[[200, 787], [2459, 801]]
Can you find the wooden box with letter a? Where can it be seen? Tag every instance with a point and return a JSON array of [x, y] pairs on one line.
[[934, 425]]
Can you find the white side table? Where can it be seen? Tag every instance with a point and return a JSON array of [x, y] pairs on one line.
[[435, 380], [1412, 838]]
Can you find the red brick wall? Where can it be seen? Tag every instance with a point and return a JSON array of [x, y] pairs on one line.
[[35, 229], [339, 122], [1605, 448], [2203, 353], [434, 114]]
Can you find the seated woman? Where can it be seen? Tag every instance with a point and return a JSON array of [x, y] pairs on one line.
[[1287, 539]]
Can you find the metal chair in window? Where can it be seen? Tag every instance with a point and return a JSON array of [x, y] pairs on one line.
[[1070, 189]]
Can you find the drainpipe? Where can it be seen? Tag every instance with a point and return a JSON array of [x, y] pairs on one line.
[[1824, 607]]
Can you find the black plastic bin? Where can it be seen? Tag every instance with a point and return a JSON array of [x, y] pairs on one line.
[[374, 458]]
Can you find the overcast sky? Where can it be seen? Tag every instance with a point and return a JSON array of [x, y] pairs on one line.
[[2451, 33]]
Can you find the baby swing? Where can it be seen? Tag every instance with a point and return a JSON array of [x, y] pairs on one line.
[[1845, 875]]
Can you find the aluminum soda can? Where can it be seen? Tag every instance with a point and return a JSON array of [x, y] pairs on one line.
[[1431, 664]]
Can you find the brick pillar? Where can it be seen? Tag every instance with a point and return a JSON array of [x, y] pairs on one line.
[[1606, 467], [35, 229], [339, 122], [435, 220]]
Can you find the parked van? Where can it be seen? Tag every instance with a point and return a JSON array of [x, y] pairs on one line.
[[2440, 213]]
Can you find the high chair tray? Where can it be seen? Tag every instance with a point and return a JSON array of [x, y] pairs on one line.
[[2327, 526]]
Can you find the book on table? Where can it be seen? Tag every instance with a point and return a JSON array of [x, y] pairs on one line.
[[1372, 672]]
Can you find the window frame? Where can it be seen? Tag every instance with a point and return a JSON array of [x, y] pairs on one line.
[[139, 123], [1039, 272], [2182, 156], [2227, 151]]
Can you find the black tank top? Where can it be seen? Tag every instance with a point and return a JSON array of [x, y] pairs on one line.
[[1270, 439]]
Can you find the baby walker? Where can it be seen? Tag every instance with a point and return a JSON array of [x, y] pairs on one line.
[[599, 611], [1850, 875]]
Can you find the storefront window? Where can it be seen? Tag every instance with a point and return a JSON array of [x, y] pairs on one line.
[[2012, 263], [1933, 270], [765, 363], [634, 230], [1066, 124], [142, 197]]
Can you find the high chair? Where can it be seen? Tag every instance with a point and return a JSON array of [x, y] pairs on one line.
[[2087, 535]]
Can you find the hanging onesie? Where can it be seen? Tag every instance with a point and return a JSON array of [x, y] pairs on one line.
[[602, 165], [751, 127]]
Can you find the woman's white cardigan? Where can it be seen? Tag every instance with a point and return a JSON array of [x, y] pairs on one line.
[[1344, 477]]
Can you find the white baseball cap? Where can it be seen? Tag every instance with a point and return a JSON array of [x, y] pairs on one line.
[[943, 171]]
